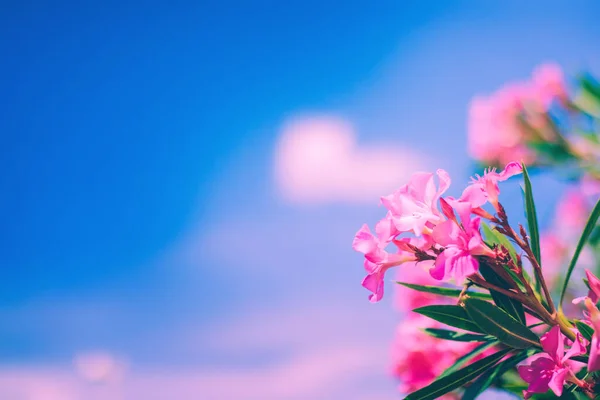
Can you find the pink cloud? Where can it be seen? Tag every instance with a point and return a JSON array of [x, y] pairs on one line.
[[323, 352], [318, 160]]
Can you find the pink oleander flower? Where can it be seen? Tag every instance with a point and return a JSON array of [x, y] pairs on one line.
[[418, 358], [461, 244], [590, 186], [549, 83], [552, 370], [554, 252], [377, 260], [572, 212], [496, 133], [485, 188], [413, 207], [594, 318], [495, 136], [594, 292]]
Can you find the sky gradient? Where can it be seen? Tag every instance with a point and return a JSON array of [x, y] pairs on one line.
[[147, 225]]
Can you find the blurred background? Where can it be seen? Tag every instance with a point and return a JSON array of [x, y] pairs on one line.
[[181, 182]]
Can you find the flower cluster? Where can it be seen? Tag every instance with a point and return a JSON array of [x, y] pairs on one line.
[[536, 121], [489, 304], [438, 242], [445, 230]]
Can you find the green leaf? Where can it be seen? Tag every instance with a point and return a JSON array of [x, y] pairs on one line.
[[511, 306], [442, 291], [587, 98], [589, 227], [532, 223], [447, 334], [456, 379], [585, 330], [493, 236], [464, 359], [488, 377], [454, 316], [496, 322]]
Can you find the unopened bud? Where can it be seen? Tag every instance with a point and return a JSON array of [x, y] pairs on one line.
[[447, 209], [523, 233], [501, 212]]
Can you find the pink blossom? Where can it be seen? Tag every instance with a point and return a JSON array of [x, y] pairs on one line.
[[549, 83], [377, 260], [572, 212], [494, 133], [485, 188], [594, 316], [554, 251], [461, 245], [594, 292], [496, 130], [418, 358], [551, 370], [413, 207], [590, 186]]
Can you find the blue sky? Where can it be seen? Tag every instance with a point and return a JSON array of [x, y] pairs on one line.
[[137, 196]]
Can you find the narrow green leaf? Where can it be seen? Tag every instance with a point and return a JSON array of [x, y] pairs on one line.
[[447, 334], [496, 322], [464, 359], [532, 221], [512, 307], [493, 236], [488, 377], [585, 330], [456, 379], [442, 291], [589, 227], [454, 316]]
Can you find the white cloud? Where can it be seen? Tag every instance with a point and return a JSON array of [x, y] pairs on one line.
[[318, 160]]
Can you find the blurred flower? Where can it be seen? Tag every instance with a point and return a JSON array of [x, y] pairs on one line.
[[572, 212], [501, 125], [419, 358], [495, 136], [554, 252], [549, 82]]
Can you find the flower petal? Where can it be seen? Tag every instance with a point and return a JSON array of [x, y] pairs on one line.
[[553, 343]]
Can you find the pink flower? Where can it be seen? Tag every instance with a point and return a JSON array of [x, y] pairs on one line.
[[377, 260], [594, 292], [496, 130], [413, 207], [494, 133], [594, 315], [485, 188], [418, 358], [549, 83], [572, 212], [461, 245], [551, 370], [554, 251]]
